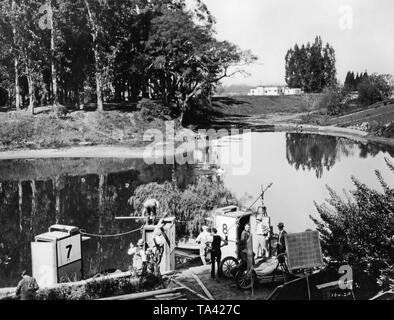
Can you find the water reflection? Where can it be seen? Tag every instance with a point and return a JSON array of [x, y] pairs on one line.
[[88, 193], [312, 152]]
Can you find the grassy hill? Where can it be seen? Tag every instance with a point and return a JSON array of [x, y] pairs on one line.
[[245, 106]]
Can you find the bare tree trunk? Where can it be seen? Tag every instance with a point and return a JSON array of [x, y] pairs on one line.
[[17, 87], [55, 97], [99, 93], [31, 89], [100, 105], [16, 67]]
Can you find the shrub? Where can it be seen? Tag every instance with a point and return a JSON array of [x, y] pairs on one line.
[[151, 110], [310, 103], [96, 289], [375, 88], [358, 230], [60, 111], [190, 206], [332, 100]]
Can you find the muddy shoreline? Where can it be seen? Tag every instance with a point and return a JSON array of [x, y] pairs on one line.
[[122, 151]]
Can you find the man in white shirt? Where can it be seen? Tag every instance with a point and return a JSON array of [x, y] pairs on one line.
[[203, 239], [138, 254], [262, 232]]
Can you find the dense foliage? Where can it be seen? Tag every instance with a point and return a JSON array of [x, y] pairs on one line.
[[352, 81], [375, 88], [311, 67], [358, 230], [190, 206], [72, 52]]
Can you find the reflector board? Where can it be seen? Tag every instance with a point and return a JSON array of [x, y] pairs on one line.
[[303, 250]]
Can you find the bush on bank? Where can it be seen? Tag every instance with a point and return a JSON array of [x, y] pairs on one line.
[[99, 288], [359, 231], [190, 206]]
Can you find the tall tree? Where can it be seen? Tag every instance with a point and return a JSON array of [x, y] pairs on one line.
[[95, 32], [16, 57], [312, 67], [55, 97]]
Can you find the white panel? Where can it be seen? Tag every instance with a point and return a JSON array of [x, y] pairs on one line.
[[69, 250], [227, 223], [303, 250], [44, 263]]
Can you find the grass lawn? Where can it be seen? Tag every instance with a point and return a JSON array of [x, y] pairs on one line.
[[257, 105]]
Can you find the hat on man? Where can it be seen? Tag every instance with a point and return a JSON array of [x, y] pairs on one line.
[[140, 243]]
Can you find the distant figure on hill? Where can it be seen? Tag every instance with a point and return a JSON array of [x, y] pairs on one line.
[[27, 287]]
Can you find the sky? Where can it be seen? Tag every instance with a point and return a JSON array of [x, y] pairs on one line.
[[361, 32]]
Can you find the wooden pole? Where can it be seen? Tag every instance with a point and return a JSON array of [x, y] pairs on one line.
[[191, 290], [129, 218], [142, 295], [203, 287], [307, 283]]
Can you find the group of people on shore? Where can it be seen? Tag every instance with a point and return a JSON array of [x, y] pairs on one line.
[[210, 241], [147, 256]]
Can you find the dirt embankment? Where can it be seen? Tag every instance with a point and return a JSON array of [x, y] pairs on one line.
[[20, 130], [287, 113]]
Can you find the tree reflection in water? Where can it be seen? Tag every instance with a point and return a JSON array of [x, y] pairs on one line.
[[317, 153], [87, 193]]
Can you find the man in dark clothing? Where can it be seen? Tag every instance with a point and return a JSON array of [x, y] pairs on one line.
[[281, 247], [243, 243], [151, 207], [216, 252], [27, 287]]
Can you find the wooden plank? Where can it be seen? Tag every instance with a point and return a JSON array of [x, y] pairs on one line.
[[142, 295], [203, 287], [181, 297], [189, 289], [130, 218], [168, 295]]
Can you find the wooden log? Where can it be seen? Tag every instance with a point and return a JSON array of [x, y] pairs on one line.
[[203, 287], [168, 295], [142, 295], [130, 218], [180, 297], [189, 289]]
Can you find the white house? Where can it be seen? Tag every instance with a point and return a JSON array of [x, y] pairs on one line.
[[292, 91], [274, 91]]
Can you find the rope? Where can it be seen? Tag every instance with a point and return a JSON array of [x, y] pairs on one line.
[[111, 235], [254, 202]]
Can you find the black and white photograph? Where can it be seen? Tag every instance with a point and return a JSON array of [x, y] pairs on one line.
[[196, 155]]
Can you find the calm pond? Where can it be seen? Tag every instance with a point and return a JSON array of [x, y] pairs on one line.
[[35, 194]]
